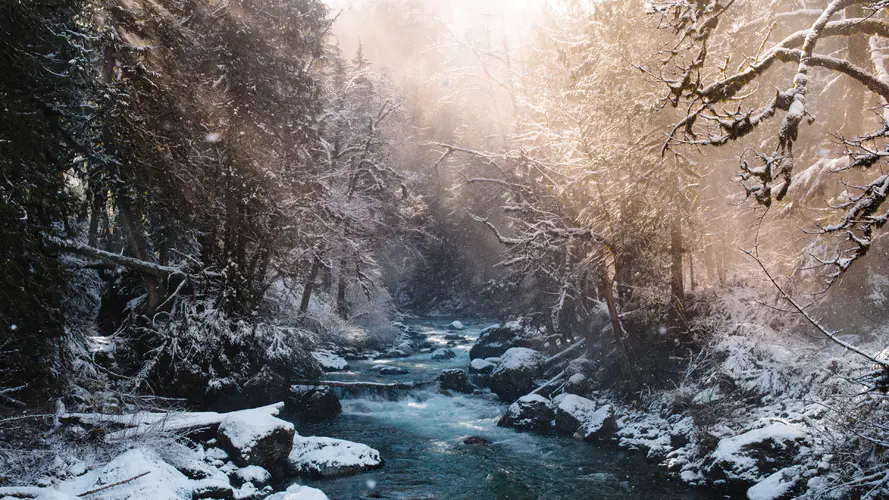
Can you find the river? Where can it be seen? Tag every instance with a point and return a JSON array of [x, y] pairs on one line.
[[420, 438]]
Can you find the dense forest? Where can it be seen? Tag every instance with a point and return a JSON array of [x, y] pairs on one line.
[[498, 241]]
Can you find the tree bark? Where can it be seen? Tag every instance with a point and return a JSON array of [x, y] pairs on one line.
[[677, 285], [139, 248], [616, 327], [310, 285]]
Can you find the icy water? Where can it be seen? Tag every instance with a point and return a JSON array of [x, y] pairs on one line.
[[421, 437]]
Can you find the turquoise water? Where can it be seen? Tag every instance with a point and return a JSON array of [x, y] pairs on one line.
[[420, 437]]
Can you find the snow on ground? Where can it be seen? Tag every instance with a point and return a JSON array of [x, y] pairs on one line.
[[731, 450], [776, 486], [324, 456]]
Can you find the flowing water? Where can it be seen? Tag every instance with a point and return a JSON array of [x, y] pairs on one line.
[[420, 437]]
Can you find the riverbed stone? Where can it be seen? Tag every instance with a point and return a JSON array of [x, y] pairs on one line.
[[312, 403], [496, 340], [476, 440], [455, 379], [531, 412], [516, 373], [393, 370], [442, 354], [253, 437]]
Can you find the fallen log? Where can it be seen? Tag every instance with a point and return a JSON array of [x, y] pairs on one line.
[[137, 424]]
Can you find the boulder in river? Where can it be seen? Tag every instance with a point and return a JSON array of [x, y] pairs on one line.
[[313, 403], [393, 370], [476, 440], [516, 373], [442, 354], [582, 417], [317, 456], [456, 325], [264, 388], [531, 412], [578, 384], [496, 340], [329, 361], [253, 437], [455, 379], [481, 366]]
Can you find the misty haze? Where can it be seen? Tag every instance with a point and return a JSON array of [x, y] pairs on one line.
[[432, 249]]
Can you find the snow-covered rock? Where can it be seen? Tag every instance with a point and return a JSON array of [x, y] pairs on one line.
[[393, 370], [263, 388], [752, 456], [441, 354], [329, 361], [496, 340], [254, 437], [253, 474], [516, 373], [582, 417], [456, 325], [312, 403], [299, 492], [481, 366], [455, 379], [777, 486], [532, 412], [317, 456], [577, 384]]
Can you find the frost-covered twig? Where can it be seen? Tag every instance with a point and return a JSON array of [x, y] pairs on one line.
[[827, 333]]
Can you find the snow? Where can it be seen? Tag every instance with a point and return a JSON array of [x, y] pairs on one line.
[[329, 361], [777, 485], [244, 429], [480, 365], [519, 357], [299, 492], [439, 354], [731, 449], [147, 422], [591, 416], [163, 481], [533, 398], [253, 474], [456, 325], [324, 456]]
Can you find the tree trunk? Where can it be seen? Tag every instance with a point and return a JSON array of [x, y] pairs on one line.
[[677, 285], [138, 246], [96, 207], [341, 307], [616, 327], [310, 286]]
